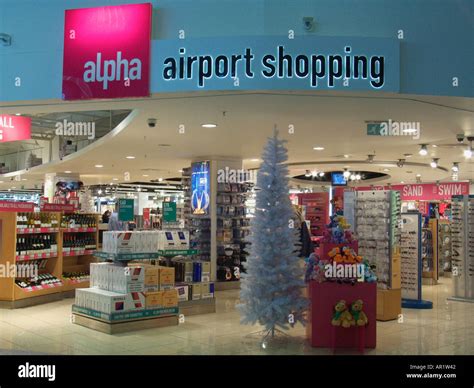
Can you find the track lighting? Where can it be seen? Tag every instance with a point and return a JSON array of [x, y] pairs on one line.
[[401, 163], [455, 167], [434, 163], [423, 150]]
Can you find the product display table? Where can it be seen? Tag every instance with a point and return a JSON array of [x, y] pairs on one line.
[[323, 298]]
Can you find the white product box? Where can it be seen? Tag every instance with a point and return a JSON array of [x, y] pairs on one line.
[[108, 301], [117, 278], [182, 239], [183, 293], [167, 240]]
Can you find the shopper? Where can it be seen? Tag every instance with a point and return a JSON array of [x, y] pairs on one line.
[[305, 236], [106, 217], [115, 224]]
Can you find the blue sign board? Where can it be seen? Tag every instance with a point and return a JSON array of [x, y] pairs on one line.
[[200, 188]]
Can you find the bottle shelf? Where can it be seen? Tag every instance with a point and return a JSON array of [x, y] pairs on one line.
[[83, 252], [36, 230]]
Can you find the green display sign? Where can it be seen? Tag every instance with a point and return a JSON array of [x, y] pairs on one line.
[[374, 129], [169, 211], [125, 211]]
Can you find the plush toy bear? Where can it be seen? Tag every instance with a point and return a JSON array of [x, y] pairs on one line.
[[339, 313], [360, 319]]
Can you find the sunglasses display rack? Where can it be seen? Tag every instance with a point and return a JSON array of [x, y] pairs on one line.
[[411, 261], [462, 247], [429, 254], [444, 247], [378, 220]]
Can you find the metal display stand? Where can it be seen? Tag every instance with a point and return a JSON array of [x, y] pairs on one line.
[[411, 262], [462, 237]]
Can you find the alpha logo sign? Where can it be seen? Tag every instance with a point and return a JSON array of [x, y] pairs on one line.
[[13, 128], [107, 52]]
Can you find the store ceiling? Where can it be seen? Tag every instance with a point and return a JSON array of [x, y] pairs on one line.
[[335, 121]]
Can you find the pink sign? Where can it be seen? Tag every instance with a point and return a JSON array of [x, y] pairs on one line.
[[56, 207], [107, 52], [426, 191], [8, 206], [13, 128]]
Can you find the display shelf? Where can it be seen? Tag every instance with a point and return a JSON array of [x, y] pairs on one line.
[[430, 253], [316, 207], [36, 230], [22, 293], [78, 230], [39, 256], [444, 248], [126, 315]]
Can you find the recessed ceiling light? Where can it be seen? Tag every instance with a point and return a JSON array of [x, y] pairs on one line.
[[209, 125], [255, 160], [67, 172], [17, 114], [434, 146], [418, 175], [318, 148], [130, 157], [386, 169], [346, 156], [145, 175], [1, 181], [160, 179], [24, 179], [13, 187], [434, 163], [99, 165], [402, 182], [180, 170], [115, 179]]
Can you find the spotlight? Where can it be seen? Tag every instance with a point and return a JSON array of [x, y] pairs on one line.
[[358, 177], [370, 158], [314, 174], [455, 167], [423, 150], [346, 174], [307, 174], [353, 177], [454, 177], [321, 174], [434, 163], [401, 163]]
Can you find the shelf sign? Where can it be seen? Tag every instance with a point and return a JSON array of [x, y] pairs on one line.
[[169, 211], [107, 52], [57, 207], [13, 128], [200, 188], [9, 206], [126, 207]]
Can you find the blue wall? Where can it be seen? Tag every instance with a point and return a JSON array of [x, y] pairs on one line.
[[438, 42]]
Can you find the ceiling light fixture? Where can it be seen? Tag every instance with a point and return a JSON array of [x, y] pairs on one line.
[[318, 148], [386, 170], [455, 167], [160, 179], [99, 166], [418, 175], [99, 191], [407, 155], [314, 174], [115, 179], [346, 174], [67, 172], [353, 177], [358, 177], [130, 157], [307, 174], [468, 151], [346, 156], [423, 150], [145, 175], [321, 173], [401, 163], [434, 163], [370, 158], [209, 125]]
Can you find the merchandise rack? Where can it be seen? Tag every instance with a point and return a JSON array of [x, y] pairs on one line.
[[54, 263], [444, 248], [462, 236], [430, 253]]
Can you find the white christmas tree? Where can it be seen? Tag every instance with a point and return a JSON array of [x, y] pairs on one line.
[[272, 289]]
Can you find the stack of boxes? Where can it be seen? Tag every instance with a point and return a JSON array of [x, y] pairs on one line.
[[193, 279], [115, 288], [145, 241]]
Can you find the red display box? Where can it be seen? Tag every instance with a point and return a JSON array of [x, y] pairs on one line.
[[323, 297]]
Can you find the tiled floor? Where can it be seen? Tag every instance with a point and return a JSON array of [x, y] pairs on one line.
[[446, 329]]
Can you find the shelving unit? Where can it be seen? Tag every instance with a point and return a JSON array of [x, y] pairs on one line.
[[378, 230], [317, 211], [462, 234], [16, 235], [444, 248], [429, 255]]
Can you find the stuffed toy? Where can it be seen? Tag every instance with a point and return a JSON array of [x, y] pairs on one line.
[[334, 251], [341, 315], [359, 317]]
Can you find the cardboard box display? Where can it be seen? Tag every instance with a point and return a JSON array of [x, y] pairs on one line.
[[389, 304], [197, 289], [166, 275], [154, 299], [108, 301], [207, 290], [183, 292], [151, 278], [116, 278], [170, 298], [205, 271]]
